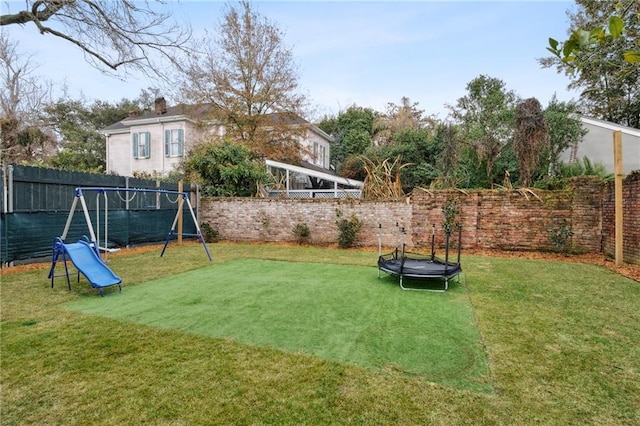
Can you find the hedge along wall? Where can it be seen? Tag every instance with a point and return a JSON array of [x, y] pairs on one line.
[[630, 218], [508, 220]]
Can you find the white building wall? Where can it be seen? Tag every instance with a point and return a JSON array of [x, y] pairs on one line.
[[120, 147], [313, 138], [597, 145], [119, 153]]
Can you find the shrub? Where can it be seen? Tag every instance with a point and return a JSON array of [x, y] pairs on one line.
[[226, 169], [560, 237], [209, 233], [450, 212], [301, 233], [348, 230]]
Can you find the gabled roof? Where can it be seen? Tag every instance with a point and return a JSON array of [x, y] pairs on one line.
[[202, 112], [610, 125], [180, 112]]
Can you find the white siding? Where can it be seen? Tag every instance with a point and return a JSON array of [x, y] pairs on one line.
[[119, 154], [313, 138], [597, 145], [120, 149]]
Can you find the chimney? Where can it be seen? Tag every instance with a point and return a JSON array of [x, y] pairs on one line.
[[160, 106]]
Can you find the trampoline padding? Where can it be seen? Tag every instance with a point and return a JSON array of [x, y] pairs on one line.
[[416, 266]]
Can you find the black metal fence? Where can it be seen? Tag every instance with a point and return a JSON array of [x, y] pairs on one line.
[[36, 203]]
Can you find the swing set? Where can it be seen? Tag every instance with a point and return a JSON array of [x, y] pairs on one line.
[[85, 254]]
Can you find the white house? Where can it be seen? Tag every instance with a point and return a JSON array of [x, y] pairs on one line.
[[597, 145], [155, 142]]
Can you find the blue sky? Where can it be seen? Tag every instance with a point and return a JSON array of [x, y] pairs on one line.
[[366, 53]]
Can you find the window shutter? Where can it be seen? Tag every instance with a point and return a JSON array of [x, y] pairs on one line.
[[134, 139], [180, 142], [167, 143], [147, 144]]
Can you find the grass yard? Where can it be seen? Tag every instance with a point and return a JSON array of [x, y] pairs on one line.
[[341, 313], [258, 338]]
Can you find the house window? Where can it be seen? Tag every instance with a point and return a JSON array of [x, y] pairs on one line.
[[173, 143], [141, 142], [319, 154]]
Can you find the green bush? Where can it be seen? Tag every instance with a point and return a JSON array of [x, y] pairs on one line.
[[209, 233], [348, 230], [226, 169], [560, 237], [301, 233], [450, 212]]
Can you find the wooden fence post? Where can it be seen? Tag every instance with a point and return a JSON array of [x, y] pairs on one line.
[[618, 171]]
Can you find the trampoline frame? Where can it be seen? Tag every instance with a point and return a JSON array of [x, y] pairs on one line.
[[445, 269]]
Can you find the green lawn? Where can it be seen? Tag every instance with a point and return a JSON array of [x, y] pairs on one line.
[[560, 340], [341, 313]]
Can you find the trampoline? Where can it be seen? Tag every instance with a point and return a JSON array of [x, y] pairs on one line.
[[418, 266]]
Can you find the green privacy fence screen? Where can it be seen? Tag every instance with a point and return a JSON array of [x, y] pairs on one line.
[[36, 204]]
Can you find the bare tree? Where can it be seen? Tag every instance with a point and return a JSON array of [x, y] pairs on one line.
[[530, 139], [250, 76], [22, 97], [111, 33]]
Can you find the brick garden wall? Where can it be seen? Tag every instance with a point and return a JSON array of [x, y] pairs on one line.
[[586, 214], [518, 220], [630, 218], [264, 219], [507, 220]]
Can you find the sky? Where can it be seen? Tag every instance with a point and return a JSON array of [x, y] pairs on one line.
[[364, 53]]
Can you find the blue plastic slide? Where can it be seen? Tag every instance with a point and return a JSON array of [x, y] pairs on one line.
[[87, 262]]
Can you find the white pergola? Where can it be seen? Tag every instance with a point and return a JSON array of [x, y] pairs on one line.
[[354, 190]]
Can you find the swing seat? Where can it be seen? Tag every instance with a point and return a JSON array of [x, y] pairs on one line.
[[109, 250]]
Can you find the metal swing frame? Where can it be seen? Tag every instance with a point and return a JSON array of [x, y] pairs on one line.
[[79, 197]]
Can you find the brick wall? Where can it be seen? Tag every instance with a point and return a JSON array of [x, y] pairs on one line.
[[516, 220], [630, 218], [507, 220], [260, 219], [586, 214]]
